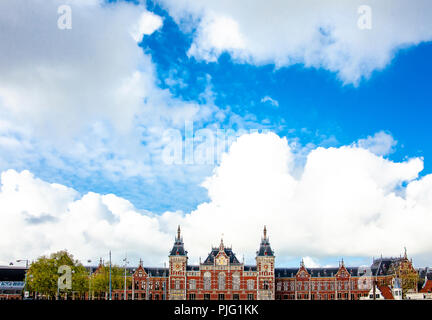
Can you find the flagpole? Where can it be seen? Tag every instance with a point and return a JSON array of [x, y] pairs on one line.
[[110, 296]]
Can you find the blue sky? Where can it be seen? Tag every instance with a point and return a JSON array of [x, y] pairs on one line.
[[87, 108], [314, 106]]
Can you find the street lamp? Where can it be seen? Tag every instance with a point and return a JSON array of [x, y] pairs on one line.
[[25, 278], [125, 263], [89, 261]]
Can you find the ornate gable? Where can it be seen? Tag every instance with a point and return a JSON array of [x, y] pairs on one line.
[[302, 272]]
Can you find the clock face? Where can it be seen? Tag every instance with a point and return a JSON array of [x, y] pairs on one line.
[[221, 261], [177, 267]]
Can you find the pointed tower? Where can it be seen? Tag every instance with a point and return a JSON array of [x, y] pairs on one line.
[[265, 260], [177, 269]]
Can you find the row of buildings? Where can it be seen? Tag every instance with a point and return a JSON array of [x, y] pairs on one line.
[[221, 276]]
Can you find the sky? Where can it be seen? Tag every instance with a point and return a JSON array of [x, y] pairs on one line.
[[312, 119]]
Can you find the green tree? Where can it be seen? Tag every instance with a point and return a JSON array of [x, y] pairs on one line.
[[100, 280], [42, 276]]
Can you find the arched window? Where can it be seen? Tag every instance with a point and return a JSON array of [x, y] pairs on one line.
[[236, 281], [207, 281], [221, 281]]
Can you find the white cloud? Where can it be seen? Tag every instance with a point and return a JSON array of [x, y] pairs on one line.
[[147, 24], [347, 202], [270, 100], [310, 262], [319, 34], [380, 143], [85, 99]]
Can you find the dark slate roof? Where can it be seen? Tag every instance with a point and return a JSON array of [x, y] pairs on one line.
[[250, 268], [12, 273], [265, 249], [157, 272], [228, 251], [178, 248], [316, 272], [192, 268]]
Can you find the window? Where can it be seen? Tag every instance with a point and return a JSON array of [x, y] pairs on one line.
[[207, 281], [221, 296], [265, 285], [221, 281], [157, 285], [250, 284], [236, 297], [286, 286], [177, 284], [192, 296], [192, 284], [206, 296], [250, 296], [236, 281]]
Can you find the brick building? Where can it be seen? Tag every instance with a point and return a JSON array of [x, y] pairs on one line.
[[223, 277]]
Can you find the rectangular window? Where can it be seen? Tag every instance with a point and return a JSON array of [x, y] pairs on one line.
[[192, 284], [236, 297], [206, 296], [221, 296], [192, 296], [177, 284], [250, 296], [250, 284]]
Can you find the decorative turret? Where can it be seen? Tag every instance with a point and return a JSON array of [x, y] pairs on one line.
[[177, 269], [265, 267], [178, 248], [265, 248]]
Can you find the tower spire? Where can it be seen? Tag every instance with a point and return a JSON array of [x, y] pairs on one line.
[[178, 232], [265, 232], [221, 246]]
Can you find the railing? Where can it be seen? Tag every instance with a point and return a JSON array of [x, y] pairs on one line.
[[11, 284]]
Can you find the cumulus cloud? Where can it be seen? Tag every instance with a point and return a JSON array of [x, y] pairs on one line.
[[84, 99], [381, 143], [346, 202], [319, 34]]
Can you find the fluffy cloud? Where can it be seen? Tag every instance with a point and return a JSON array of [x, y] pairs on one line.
[[84, 99], [380, 143], [347, 202], [320, 34]]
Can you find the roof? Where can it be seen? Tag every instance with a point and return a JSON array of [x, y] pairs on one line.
[[386, 292], [250, 268], [12, 273], [427, 287], [317, 272], [265, 248], [192, 268], [214, 252], [157, 272], [178, 248]]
